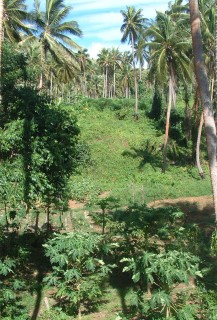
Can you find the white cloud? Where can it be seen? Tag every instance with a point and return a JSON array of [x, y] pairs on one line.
[[96, 22], [106, 4], [112, 34], [95, 48]]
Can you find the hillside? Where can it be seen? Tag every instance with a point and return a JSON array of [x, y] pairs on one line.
[[126, 157]]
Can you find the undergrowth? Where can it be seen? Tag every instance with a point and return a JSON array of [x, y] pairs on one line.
[[126, 157]]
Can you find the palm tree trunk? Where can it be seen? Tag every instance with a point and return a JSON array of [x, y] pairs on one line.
[[202, 80], [200, 170], [167, 123], [43, 58], [1, 40], [135, 80], [106, 81], [140, 72], [114, 80], [85, 84], [51, 84], [187, 121], [215, 52]]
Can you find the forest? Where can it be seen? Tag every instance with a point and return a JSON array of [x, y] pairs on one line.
[[108, 166]]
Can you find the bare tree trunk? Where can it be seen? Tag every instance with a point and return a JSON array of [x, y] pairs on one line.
[[200, 170], [1, 40], [215, 52], [140, 72], [114, 80], [104, 84], [106, 81], [187, 121], [167, 124], [51, 84], [136, 115], [203, 85], [43, 59]]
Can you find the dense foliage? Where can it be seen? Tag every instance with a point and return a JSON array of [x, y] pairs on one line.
[[77, 169]]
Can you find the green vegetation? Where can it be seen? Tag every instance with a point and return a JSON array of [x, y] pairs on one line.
[[126, 156], [91, 225]]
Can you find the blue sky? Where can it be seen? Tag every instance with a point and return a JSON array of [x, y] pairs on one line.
[[100, 20]]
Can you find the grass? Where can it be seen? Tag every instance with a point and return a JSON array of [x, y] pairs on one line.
[[123, 162]]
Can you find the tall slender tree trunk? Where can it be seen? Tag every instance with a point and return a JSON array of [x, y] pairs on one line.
[[43, 59], [51, 84], [114, 80], [200, 170], [140, 72], [135, 80], [167, 123], [215, 53], [1, 40], [203, 84], [104, 84], [106, 81]]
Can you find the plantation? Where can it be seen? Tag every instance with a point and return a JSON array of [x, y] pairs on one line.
[[108, 198]]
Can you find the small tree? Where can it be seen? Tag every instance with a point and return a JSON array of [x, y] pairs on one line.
[[165, 271], [77, 269]]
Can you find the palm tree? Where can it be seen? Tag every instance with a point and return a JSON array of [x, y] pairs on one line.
[[141, 54], [53, 31], [104, 60], [168, 59], [203, 84], [126, 73], [133, 23], [65, 73], [83, 59], [207, 16], [93, 79], [14, 17], [116, 61], [177, 8]]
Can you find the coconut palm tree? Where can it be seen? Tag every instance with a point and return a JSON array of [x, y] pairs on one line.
[[15, 19], [83, 59], [141, 54], [177, 8], [116, 62], [133, 24], [168, 59], [203, 84], [53, 31], [12, 16], [104, 60], [126, 73], [93, 77], [207, 16], [65, 73]]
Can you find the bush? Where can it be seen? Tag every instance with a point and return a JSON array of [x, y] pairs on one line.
[[78, 270]]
